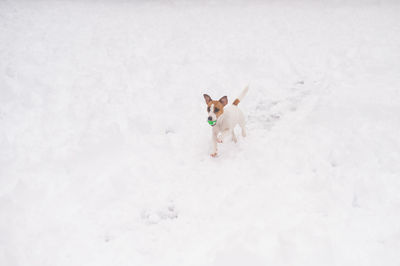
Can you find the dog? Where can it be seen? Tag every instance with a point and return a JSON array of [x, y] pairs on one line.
[[224, 120]]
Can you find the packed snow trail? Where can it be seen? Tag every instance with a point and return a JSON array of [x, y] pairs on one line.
[[104, 144]]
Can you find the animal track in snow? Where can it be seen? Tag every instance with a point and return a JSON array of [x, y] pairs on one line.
[[266, 113], [155, 216]]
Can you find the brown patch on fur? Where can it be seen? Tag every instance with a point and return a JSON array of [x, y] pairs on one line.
[[219, 105], [236, 102]]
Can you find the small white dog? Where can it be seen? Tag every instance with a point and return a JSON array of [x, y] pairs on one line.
[[223, 121]]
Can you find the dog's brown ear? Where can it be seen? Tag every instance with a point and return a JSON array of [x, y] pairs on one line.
[[224, 100], [207, 98]]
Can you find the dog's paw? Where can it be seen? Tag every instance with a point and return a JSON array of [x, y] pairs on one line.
[[219, 139], [214, 154]]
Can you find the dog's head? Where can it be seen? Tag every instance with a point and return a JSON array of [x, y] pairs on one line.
[[215, 108]]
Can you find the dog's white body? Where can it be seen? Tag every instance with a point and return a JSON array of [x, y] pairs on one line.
[[226, 124]]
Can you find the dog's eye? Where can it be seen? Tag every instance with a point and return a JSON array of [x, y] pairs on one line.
[[216, 110], [208, 109]]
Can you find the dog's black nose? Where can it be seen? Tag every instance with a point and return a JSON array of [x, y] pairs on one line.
[[209, 118]]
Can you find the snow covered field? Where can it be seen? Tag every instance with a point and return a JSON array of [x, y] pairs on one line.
[[104, 145]]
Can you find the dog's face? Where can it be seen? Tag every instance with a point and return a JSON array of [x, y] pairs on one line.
[[215, 108]]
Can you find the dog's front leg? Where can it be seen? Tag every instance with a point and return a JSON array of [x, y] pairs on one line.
[[214, 144], [221, 137]]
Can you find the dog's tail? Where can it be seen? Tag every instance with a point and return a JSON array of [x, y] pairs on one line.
[[241, 96]]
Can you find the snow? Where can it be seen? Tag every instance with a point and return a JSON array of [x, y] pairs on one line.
[[104, 144]]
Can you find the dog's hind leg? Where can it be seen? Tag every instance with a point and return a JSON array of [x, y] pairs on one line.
[[243, 130], [234, 139], [242, 124]]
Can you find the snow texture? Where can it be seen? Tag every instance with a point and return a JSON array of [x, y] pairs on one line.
[[104, 143]]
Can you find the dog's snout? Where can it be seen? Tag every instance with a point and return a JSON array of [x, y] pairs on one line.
[[209, 118]]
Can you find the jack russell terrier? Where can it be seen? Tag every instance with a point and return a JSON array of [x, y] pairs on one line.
[[224, 121]]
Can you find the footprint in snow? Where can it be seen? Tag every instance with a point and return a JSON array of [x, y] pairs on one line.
[[266, 113], [155, 216]]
